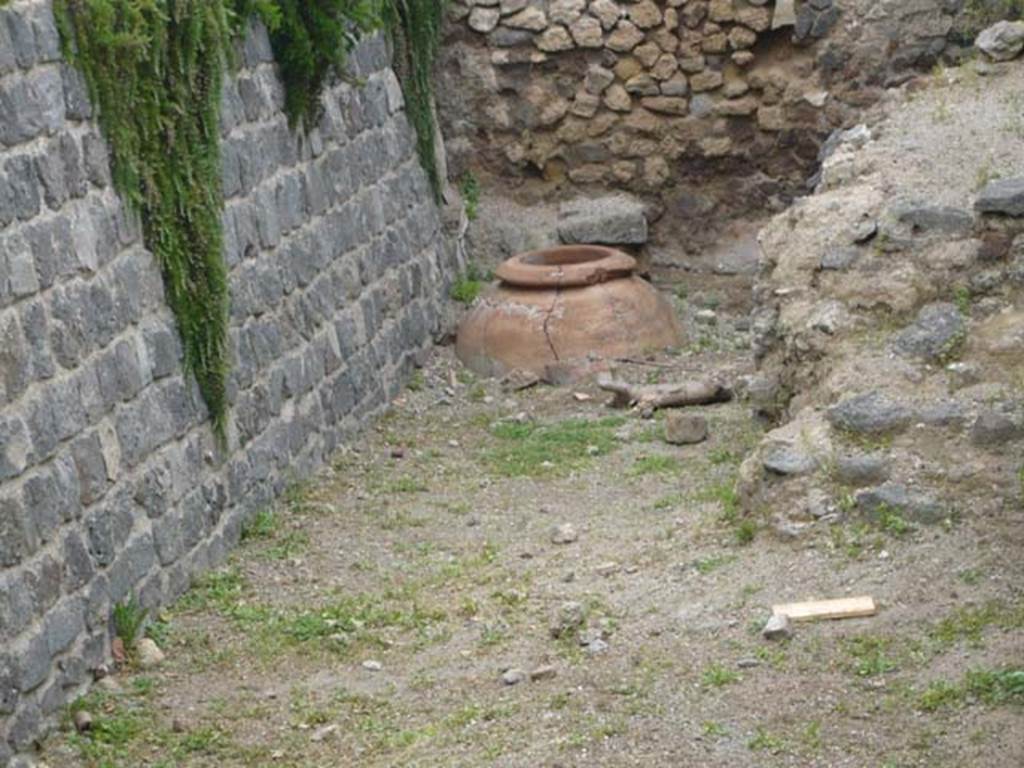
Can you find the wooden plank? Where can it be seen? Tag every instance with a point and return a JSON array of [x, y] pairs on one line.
[[844, 608]]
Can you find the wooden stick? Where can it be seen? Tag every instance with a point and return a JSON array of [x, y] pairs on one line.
[[844, 608], [654, 396]]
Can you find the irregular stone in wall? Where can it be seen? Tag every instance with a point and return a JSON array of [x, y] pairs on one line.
[[735, 87], [554, 39], [668, 105], [935, 333], [586, 104], [737, 107], [566, 11], [642, 84], [692, 64], [509, 57], [694, 13], [708, 80], [645, 14], [624, 171], [483, 20], [677, 85], [598, 79], [656, 171], [814, 19], [665, 40], [701, 105], [647, 54], [587, 174], [666, 66], [503, 37], [715, 146], [587, 32], [627, 67], [741, 38], [758, 19], [530, 18], [607, 12], [743, 58], [554, 111], [721, 10], [625, 38], [512, 6], [716, 43], [771, 118], [617, 99]]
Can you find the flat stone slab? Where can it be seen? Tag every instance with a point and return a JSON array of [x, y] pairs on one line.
[[1004, 196], [610, 220]]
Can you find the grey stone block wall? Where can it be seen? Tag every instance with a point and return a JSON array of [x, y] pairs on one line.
[[110, 481]]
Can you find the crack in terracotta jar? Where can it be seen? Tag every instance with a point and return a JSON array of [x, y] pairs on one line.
[[560, 305]]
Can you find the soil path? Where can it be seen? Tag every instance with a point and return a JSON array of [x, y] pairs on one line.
[[370, 618]]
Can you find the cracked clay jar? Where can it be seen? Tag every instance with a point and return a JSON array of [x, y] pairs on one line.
[[562, 305]]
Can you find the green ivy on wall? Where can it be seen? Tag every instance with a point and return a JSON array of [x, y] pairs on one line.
[[154, 70], [415, 30]]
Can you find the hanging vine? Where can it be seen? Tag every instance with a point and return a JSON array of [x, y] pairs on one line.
[[154, 70], [415, 30]]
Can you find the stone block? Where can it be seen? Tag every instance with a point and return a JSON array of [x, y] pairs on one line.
[[33, 661], [64, 623], [17, 531], [611, 220]]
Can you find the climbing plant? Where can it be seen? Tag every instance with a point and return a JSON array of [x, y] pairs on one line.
[[415, 30], [311, 41], [154, 70]]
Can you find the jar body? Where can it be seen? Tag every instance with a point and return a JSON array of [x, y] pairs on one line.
[[514, 327]]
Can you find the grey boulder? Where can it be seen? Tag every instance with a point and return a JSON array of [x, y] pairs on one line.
[[1002, 41]]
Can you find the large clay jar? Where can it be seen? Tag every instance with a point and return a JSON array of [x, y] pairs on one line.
[[561, 305]]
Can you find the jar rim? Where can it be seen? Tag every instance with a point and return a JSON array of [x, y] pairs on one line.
[[566, 266]]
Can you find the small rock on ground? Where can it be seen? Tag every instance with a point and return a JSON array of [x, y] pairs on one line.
[[565, 533], [149, 653], [513, 676], [545, 672], [1002, 41], [569, 618], [685, 428], [777, 627]]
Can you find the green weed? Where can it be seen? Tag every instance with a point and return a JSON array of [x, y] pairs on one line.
[[992, 687], [765, 741], [470, 189], [870, 655], [969, 623], [530, 450], [129, 616], [718, 676], [655, 465]]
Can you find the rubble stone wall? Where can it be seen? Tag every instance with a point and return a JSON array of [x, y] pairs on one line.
[[711, 106], [111, 483]]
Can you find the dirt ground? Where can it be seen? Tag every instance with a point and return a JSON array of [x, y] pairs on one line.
[[377, 616]]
